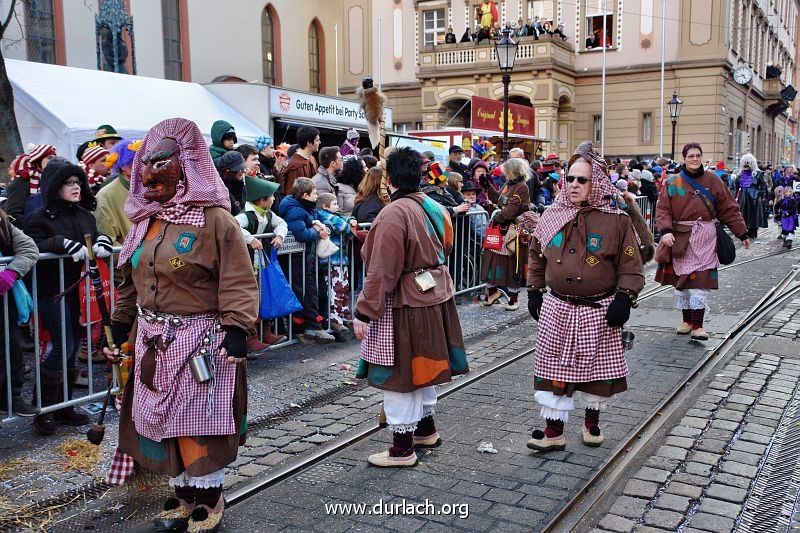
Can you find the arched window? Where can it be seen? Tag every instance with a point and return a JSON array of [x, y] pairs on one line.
[[41, 31], [316, 58], [270, 45], [173, 45]]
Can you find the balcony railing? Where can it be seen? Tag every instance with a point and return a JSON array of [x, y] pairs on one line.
[[454, 58]]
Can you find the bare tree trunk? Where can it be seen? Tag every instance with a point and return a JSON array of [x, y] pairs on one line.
[[10, 142]]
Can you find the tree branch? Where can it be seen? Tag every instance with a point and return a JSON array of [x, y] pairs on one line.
[[7, 21]]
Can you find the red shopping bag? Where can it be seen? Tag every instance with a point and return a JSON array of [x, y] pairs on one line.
[[94, 311], [494, 238]]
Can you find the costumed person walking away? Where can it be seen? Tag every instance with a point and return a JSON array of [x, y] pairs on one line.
[[751, 191], [686, 214], [189, 286], [504, 267], [586, 251], [406, 316], [787, 207]]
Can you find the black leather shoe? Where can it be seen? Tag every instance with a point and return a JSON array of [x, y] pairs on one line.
[[68, 416]]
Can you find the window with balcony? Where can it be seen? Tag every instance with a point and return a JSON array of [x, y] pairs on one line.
[[434, 27], [40, 30], [597, 127], [595, 12], [647, 128], [173, 49]]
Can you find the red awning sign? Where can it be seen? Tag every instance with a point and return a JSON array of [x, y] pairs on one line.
[[487, 114]]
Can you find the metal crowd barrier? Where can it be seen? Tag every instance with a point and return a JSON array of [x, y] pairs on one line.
[[648, 210], [464, 263]]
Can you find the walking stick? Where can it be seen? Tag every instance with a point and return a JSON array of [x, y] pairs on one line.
[[97, 431]]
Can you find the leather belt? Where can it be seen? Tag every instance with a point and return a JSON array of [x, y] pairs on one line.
[[587, 301]]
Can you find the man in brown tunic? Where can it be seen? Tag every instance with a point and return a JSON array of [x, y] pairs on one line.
[[586, 251], [406, 316]]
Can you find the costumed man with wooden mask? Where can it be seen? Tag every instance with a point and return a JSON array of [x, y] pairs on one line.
[[189, 287]]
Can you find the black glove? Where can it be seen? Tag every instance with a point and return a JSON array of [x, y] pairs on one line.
[[120, 332], [620, 310], [535, 299], [235, 341], [484, 181]]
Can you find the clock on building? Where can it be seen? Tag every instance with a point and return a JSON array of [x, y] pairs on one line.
[[743, 75]]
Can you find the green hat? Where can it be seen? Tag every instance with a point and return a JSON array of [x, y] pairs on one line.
[[106, 131], [257, 188]]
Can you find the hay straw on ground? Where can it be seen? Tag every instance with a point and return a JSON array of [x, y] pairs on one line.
[[78, 454], [30, 516], [11, 467]]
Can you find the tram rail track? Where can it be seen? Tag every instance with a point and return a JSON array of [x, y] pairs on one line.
[[323, 452], [573, 515]]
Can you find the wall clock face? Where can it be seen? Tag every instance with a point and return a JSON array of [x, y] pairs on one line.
[[743, 75]]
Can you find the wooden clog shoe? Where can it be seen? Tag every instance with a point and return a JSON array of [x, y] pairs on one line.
[[384, 460], [684, 329], [542, 443], [205, 520], [699, 334], [174, 517], [593, 437]]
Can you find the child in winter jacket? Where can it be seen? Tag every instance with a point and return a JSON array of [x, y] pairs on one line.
[[336, 278], [300, 213], [258, 218]]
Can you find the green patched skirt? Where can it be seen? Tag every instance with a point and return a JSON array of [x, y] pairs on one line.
[[428, 350]]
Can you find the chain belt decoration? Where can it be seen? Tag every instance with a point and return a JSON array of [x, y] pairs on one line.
[[162, 342]]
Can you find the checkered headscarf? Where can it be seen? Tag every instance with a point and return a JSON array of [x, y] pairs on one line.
[[602, 196], [201, 186]]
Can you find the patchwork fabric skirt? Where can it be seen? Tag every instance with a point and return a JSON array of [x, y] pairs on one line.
[[428, 349], [198, 455], [509, 270], [577, 350], [704, 279]]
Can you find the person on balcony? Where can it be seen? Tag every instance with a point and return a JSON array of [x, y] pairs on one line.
[[450, 37], [468, 36]]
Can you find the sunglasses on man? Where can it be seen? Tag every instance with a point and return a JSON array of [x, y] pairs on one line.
[[581, 179]]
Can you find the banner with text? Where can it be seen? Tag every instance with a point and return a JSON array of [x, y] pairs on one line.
[[315, 107], [487, 114]]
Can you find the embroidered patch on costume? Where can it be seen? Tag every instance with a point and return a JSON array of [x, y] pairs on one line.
[[177, 262], [185, 242], [557, 240], [592, 261], [593, 242], [629, 251]]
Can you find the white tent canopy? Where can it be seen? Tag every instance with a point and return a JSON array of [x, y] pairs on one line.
[[63, 106]]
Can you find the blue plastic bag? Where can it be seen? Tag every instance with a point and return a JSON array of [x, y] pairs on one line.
[[277, 298], [23, 301]]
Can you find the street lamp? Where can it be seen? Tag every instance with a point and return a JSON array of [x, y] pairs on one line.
[[674, 112], [506, 50]]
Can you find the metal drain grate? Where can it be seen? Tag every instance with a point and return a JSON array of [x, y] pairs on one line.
[[323, 473], [770, 505]]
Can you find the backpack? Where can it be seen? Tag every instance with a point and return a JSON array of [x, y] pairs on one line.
[[252, 221]]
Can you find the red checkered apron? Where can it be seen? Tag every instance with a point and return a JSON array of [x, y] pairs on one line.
[[179, 406], [378, 347], [574, 343]]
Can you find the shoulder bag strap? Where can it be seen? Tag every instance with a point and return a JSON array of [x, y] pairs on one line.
[[705, 195]]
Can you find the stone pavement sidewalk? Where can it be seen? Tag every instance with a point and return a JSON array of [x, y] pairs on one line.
[[716, 469]]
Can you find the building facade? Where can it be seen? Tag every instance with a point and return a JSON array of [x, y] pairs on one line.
[[328, 46]]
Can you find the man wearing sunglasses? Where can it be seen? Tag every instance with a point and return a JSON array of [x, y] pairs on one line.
[[585, 272]]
